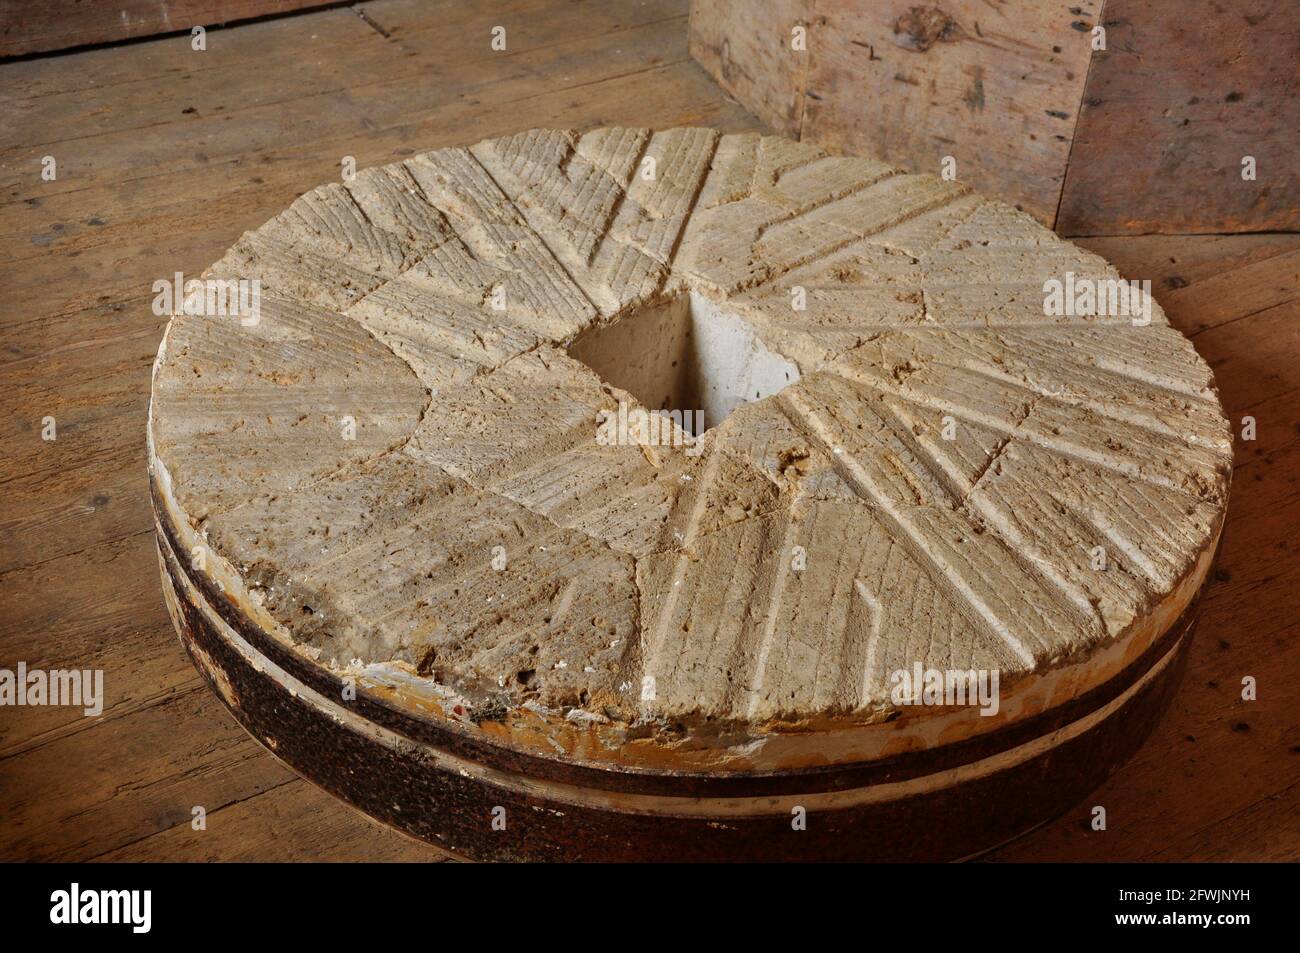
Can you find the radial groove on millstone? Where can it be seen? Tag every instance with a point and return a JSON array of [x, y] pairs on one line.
[[947, 463]]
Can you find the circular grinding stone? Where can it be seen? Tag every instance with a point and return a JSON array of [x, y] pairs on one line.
[[422, 536]]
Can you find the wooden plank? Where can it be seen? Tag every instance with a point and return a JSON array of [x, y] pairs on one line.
[[345, 53], [1174, 262], [289, 822], [112, 66], [134, 775], [84, 487], [99, 608], [1246, 291], [1182, 92], [1268, 830], [1210, 279], [747, 48], [994, 86], [63, 24], [254, 162], [1249, 376]]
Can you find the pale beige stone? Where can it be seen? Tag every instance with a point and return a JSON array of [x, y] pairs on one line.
[[476, 534]]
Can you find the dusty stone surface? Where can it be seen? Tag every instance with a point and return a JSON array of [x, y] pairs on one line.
[[475, 428]]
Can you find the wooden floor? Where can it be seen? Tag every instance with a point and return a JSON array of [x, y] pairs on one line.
[[165, 155]]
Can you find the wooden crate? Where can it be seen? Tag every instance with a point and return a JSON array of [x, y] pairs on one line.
[[1148, 134]]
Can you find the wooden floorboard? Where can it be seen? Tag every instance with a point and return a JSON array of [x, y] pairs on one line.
[[165, 156]]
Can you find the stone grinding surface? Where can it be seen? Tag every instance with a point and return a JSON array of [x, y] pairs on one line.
[[474, 429]]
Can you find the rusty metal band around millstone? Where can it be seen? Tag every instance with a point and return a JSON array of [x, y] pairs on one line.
[[455, 740], [398, 784]]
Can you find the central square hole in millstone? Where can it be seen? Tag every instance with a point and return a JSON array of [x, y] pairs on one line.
[[685, 353]]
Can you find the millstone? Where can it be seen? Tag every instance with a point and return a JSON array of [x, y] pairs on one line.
[[425, 539]]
